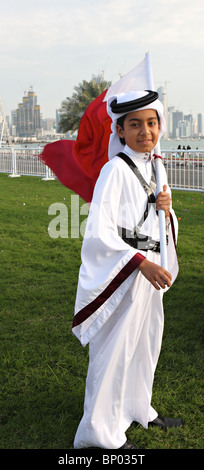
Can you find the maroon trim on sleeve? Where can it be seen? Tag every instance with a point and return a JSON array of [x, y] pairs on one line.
[[85, 313], [157, 156], [173, 229]]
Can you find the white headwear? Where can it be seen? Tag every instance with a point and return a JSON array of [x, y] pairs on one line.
[[115, 145]]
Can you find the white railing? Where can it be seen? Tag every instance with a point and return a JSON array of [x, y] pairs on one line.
[[185, 169], [23, 161]]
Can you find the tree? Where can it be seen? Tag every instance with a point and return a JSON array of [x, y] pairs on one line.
[[73, 108]]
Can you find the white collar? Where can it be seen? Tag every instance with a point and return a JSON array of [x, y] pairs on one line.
[[137, 156]]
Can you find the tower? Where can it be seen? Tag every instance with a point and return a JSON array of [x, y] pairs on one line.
[[28, 115], [200, 119], [5, 127], [163, 98]]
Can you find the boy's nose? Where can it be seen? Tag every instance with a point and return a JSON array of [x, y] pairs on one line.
[[144, 129]]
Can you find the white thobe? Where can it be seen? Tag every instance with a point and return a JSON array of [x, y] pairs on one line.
[[124, 324]]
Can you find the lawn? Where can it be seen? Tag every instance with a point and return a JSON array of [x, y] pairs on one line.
[[43, 366]]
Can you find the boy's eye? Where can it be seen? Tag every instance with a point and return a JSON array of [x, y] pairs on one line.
[[137, 124]]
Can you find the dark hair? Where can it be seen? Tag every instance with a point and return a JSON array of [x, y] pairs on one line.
[[120, 122]]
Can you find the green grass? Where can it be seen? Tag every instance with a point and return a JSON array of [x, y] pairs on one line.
[[43, 366]]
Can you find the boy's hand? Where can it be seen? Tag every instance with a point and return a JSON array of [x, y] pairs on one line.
[[155, 274], [163, 201]]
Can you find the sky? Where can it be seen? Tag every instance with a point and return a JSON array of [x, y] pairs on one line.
[[53, 45]]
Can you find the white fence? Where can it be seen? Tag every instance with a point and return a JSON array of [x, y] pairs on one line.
[[185, 170], [23, 161]]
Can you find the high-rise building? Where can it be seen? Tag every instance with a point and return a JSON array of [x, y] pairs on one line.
[[177, 117], [28, 116], [200, 124], [58, 117], [163, 98], [188, 118], [13, 117], [171, 110]]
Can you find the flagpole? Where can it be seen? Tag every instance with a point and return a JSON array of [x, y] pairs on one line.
[[158, 163]]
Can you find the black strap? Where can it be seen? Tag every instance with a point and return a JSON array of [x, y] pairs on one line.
[[149, 188], [133, 237]]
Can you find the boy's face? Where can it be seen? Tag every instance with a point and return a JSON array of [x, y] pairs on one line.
[[140, 130]]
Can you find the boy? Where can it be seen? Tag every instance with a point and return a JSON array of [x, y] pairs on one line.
[[118, 307]]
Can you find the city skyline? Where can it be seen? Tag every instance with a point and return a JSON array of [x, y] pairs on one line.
[[57, 109], [55, 45], [27, 119]]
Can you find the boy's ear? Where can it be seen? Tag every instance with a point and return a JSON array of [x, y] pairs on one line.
[[119, 131]]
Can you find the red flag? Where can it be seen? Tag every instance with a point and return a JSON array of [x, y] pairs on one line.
[[77, 164]]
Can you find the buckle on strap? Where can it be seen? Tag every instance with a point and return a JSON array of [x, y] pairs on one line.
[[140, 242]]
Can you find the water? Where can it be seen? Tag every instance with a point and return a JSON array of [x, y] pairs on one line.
[[173, 144]]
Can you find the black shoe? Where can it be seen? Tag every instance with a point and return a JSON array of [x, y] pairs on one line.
[[128, 445], [165, 423]]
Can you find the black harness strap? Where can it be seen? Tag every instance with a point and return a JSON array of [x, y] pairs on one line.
[[149, 188], [133, 237]]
